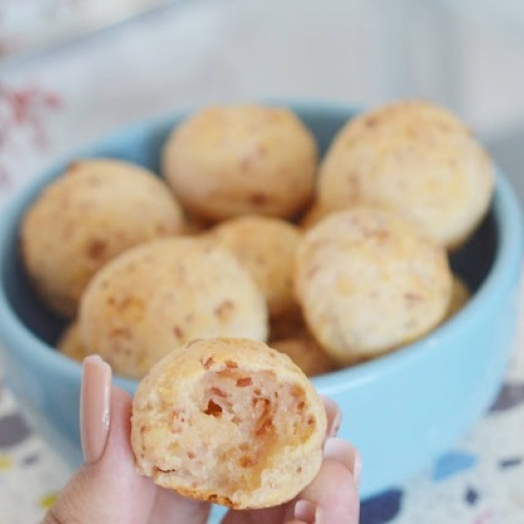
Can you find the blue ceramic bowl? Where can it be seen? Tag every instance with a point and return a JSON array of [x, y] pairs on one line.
[[401, 410]]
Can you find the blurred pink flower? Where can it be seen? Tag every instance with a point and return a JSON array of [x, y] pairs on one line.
[[24, 114]]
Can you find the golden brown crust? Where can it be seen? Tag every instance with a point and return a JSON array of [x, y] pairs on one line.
[[230, 421], [94, 211], [266, 248], [225, 161], [370, 281], [414, 157]]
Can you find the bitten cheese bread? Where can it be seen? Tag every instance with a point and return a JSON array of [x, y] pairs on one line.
[[229, 421]]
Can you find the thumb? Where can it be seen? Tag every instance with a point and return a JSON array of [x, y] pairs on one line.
[[106, 488]]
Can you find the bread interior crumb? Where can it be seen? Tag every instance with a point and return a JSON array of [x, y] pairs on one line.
[[236, 426]]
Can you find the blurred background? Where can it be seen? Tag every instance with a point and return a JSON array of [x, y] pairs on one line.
[[93, 65]]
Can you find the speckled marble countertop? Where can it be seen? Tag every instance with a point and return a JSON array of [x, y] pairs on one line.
[[48, 106]]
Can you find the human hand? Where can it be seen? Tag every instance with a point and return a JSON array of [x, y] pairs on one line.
[[108, 490]]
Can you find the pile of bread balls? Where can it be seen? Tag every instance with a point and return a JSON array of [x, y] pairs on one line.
[[247, 233]]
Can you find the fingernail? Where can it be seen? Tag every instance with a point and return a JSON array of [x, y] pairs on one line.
[[334, 416], [94, 407], [307, 512], [342, 451]]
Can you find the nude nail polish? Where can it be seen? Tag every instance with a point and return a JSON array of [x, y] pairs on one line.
[[94, 407], [307, 512]]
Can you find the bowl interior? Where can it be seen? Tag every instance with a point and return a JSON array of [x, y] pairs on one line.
[[142, 144]]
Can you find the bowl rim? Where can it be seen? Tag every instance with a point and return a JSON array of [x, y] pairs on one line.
[[508, 259]]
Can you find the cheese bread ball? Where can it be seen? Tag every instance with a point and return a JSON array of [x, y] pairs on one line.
[[94, 211], [265, 247], [71, 343], [414, 157], [225, 161], [194, 226], [162, 294], [306, 353], [287, 326], [229, 421], [370, 281]]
